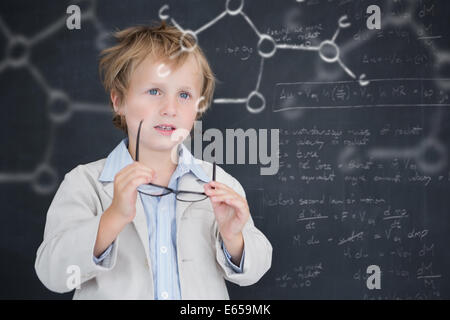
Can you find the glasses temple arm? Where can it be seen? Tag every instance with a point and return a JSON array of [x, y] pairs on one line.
[[137, 140]]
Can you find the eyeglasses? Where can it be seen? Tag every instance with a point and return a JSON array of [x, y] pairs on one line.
[[156, 190]]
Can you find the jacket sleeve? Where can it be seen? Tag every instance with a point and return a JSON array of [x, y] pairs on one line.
[[230, 263], [70, 234], [257, 248], [105, 254]]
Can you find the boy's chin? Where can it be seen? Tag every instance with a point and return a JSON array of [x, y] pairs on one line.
[[163, 146]]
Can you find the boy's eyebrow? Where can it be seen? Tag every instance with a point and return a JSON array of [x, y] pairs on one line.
[[159, 84]]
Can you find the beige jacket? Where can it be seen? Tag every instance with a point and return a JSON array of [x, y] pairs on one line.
[[71, 231]]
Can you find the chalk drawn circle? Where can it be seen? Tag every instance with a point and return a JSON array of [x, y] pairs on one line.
[[44, 180], [343, 22], [258, 96], [183, 36], [59, 107], [18, 51], [201, 105], [325, 46], [264, 38], [235, 11], [161, 14], [425, 148], [161, 73], [362, 80]]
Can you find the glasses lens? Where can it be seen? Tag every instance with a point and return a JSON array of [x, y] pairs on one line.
[[153, 190], [190, 196]]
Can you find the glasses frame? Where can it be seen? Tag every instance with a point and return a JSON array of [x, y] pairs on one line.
[[167, 189]]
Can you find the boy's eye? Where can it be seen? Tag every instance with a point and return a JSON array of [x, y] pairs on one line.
[[185, 95], [153, 92]]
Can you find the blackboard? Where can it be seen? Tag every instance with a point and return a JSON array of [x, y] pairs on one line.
[[361, 115]]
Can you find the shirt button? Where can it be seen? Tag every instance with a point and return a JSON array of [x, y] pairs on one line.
[[163, 249], [164, 295]]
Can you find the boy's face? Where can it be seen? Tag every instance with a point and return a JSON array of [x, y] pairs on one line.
[[160, 97]]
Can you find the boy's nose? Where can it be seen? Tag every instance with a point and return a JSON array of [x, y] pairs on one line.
[[169, 109]]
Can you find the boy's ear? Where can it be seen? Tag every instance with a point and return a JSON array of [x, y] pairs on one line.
[[115, 101]]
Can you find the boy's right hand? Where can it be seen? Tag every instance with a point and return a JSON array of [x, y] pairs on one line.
[[126, 182]]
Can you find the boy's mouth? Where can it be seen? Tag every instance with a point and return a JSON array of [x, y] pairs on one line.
[[165, 129]]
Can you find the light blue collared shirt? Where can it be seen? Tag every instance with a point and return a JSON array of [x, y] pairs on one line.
[[161, 220]]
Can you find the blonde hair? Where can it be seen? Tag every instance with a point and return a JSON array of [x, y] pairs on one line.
[[134, 44]]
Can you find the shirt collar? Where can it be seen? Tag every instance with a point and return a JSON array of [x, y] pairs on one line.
[[120, 157]]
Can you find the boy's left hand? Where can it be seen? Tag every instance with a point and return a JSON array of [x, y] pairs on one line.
[[231, 209]]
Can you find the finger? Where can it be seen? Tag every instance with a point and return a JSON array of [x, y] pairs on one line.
[[145, 168], [141, 168], [134, 175], [123, 172], [127, 170], [221, 198], [134, 166], [214, 192], [133, 184], [238, 204], [123, 180], [220, 191], [219, 185], [240, 209]]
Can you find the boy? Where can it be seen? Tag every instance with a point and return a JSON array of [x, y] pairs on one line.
[[157, 245]]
